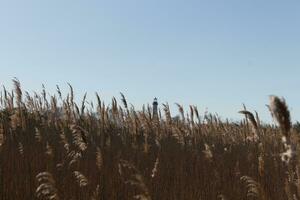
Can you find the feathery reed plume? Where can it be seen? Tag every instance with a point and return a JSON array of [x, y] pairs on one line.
[[207, 152], [18, 90], [166, 109], [79, 137], [257, 119], [124, 100], [21, 149], [281, 113], [77, 113], [181, 111], [251, 118], [99, 102], [75, 157], [71, 94], [83, 104], [192, 115], [46, 189], [80, 179], [197, 114], [58, 91], [44, 95], [254, 189]]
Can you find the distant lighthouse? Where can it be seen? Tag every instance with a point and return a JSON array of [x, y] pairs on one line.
[[155, 109]]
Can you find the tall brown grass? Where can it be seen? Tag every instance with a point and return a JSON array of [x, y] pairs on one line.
[[53, 148]]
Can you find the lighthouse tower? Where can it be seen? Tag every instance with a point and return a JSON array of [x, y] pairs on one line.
[[155, 109]]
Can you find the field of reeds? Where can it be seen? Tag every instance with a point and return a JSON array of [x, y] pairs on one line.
[[54, 148]]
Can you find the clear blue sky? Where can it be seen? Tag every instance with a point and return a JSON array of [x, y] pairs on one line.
[[215, 54]]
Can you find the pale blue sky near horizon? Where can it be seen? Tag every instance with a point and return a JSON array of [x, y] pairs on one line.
[[215, 54]]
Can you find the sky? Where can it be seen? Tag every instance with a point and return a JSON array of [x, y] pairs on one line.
[[215, 54]]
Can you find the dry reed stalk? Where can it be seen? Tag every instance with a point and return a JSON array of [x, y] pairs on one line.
[[99, 159], [192, 115], [155, 168]]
